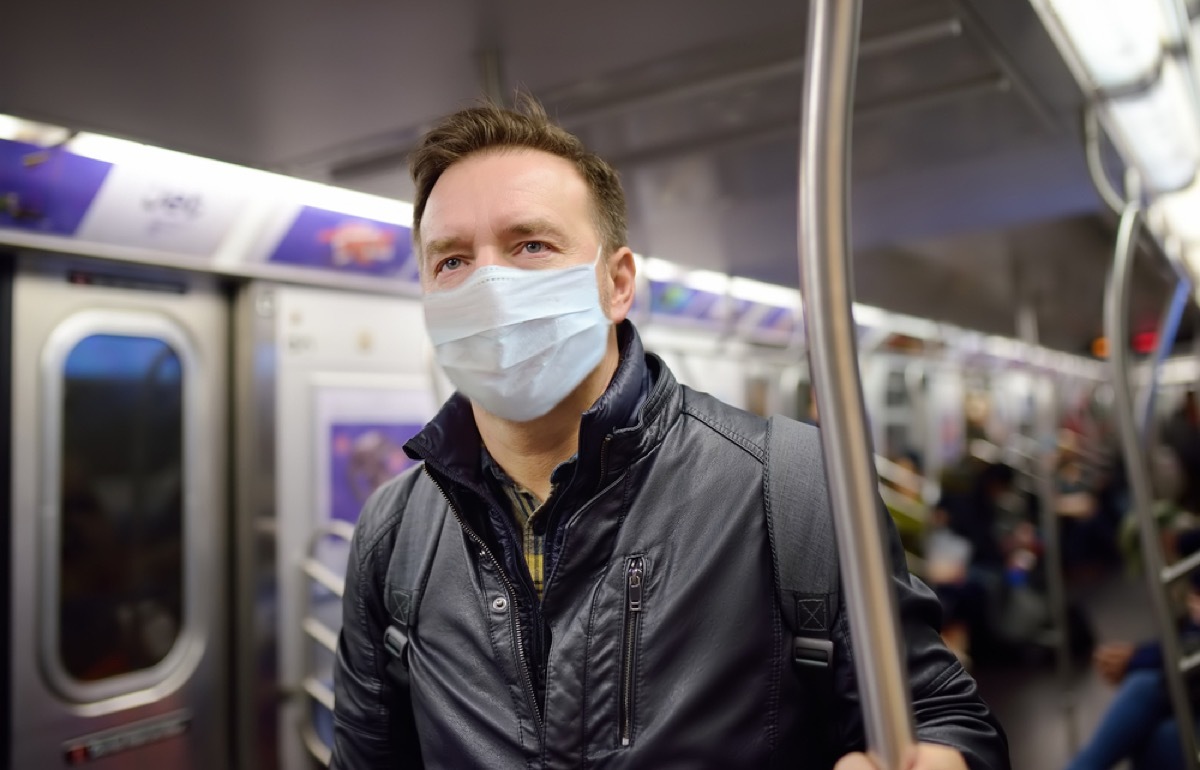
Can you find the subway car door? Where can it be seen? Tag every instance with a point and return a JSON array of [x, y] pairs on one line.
[[346, 379], [118, 551]]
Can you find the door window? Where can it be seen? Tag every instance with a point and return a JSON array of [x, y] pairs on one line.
[[118, 401]]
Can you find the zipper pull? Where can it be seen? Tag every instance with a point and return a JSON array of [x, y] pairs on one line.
[[633, 584]]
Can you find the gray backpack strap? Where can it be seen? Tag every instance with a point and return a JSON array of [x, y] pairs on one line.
[[803, 547], [407, 575]]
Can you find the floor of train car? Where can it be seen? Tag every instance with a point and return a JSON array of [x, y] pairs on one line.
[[1028, 700]]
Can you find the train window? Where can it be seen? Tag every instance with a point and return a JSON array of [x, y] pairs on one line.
[[123, 605], [897, 389], [121, 479]]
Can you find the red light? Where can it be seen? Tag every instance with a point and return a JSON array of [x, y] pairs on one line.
[[1144, 342]]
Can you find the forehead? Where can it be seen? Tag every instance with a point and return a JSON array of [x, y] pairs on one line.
[[497, 187]]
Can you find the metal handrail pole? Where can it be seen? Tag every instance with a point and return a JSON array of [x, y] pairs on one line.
[[1116, 328], [825, 270], [1045, 422], [1094, 154]]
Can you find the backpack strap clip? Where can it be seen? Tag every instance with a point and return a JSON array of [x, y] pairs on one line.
[[815, 653], [803, 548]]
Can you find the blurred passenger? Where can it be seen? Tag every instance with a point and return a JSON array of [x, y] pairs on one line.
[[904, 501], [594, 533], [1089, 541], [968, 522], [1167, 483], [1139, 724], [1182, 435]]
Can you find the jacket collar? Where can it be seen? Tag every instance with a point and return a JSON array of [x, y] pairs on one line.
[[623, 418]]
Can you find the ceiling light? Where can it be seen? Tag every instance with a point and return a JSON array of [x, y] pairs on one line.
[[1117, 42], [265, 183], [764, 293], [1159, 130]]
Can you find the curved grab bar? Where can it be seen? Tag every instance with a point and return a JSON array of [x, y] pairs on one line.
[[1116, 328], [825, 270]]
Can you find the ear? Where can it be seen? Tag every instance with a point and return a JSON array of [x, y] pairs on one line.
[[622, 282]]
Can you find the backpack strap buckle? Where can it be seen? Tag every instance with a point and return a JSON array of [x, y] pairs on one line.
[[813, 653], [395, 641]]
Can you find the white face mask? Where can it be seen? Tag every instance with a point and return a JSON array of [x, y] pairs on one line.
[[515, 341]]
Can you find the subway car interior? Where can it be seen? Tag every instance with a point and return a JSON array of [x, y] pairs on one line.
[[214, 348]]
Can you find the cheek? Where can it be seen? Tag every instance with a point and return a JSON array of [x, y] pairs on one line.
[[606, 298]]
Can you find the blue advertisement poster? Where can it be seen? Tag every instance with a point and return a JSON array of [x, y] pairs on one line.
[[677, 301], [46, 190], [362, 457], [327, 240], [778, 319]]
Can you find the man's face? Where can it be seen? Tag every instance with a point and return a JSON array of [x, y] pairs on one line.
[[518, 208]]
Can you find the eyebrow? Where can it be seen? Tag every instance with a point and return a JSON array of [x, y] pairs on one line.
[[537, 227], [440, 246], [527, 228]]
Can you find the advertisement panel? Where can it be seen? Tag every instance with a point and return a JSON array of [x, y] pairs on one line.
[[142, 207], [362, 456], [360, 433], [46, 190], [327, 240]]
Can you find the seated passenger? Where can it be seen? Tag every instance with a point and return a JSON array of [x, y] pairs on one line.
[[1140, 724], [597, 582]]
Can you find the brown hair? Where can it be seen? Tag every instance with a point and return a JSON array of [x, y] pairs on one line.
[[491, 127]]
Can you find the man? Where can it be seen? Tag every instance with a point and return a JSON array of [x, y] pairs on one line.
[[596, 586]]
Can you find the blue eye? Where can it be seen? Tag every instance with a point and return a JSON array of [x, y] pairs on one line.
[[534, 247], [451, 263]]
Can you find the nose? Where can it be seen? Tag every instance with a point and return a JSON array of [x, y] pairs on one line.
[[487, 256]]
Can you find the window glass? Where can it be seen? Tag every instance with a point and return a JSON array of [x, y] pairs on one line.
[[121, 506], [897, 389]]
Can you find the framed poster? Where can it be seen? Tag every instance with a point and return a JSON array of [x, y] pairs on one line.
[[361, 425]]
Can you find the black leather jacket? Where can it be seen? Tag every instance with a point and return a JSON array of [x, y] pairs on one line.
[[703, 679]]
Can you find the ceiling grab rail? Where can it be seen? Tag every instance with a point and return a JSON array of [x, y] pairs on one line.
[[1116, 328], [825, 271], [1094, 154]]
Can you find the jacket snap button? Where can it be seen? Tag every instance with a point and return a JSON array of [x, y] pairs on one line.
[[500, 604]]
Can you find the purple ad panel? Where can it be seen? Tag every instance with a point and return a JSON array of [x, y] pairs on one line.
[[672, 299], [362, 457], [778, 319], [327, 240], [46, 191], [742, 307]]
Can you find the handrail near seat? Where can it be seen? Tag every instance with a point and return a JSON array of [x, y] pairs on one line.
[[1158, 576], [313, 569]]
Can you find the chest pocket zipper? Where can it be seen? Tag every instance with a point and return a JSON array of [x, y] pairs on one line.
[[635, 576]]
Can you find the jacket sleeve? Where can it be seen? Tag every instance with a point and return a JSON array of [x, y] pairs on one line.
[[373, 724], [947, 708], [1146, 655]]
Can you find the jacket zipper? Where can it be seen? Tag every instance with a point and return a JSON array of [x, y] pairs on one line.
[[604, 461], [634, 578], [512, 593]]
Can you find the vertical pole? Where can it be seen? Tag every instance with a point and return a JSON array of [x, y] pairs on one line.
[[1045, 424], [825, 270], [1168, 330], [1116, 328]]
